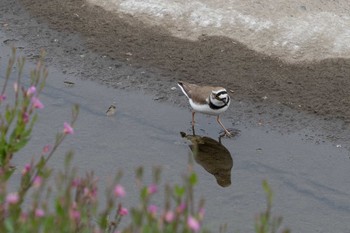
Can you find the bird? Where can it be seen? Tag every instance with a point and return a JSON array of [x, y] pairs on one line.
[[206, 99], [111, 110]]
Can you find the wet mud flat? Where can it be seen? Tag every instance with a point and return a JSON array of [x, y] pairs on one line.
[[89, 43], [296, 151], [319, 88]]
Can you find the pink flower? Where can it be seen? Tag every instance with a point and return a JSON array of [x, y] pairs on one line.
[[67, 129], [46, 149], [123, 211], [181, 208], [91, 193], [31, 90], [76, 182], [37, 181], [152, 189], [26, 169], [119, 191], [37, 103], [169, 216], [193, 224], [74, 214], [25, 117], [39, 213], [152, 209], [2, 98], [12, 198]]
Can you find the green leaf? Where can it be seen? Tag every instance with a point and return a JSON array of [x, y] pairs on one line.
[[144, 193], [40, 165], [266, 186], [179, 191], [268, 191], [8, 115], [193, 179], [8, 173], [49, 224], [103, 221], [59, 209], [137, 217], [147, 229], [20, 144], [34, 119], [9, 225]]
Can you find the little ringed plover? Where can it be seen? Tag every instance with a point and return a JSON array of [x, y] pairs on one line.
[[206, 99]]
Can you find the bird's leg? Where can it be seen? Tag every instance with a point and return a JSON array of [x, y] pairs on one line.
[[193, 123], [226, 131], [193, 119], [193, 132]]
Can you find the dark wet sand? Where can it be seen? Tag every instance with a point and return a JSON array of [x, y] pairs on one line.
[[319, 88], [88, 43]]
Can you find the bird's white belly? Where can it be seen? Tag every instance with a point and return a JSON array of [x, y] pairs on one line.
[[206, 109]]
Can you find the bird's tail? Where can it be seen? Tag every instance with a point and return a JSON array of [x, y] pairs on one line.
[[181, 85]]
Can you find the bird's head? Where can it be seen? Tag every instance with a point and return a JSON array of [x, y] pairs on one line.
[[220, 95]]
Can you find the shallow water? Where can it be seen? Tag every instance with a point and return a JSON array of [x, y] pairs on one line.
[[310, 180]]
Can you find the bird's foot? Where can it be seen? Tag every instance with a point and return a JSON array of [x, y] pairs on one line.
[[229, 133]]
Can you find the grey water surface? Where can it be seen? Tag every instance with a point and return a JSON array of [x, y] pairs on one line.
[[310, 181]]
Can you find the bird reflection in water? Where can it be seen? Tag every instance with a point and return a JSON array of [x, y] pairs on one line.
[[212, 156]]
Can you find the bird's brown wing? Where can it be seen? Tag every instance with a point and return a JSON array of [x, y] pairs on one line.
[[198, 94]]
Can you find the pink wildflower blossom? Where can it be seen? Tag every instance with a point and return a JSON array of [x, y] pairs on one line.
[[46, 149], [37, 181], [31, 90], [91, 193], [152, 189], [76, 182], [193, 224], [2, 98], [119, 191], [26, 169], [181, 208], [169, 216], [123, 211], [37, 103], [74, 214], [67, 129], [39, 213], [12, 198], [152, 209], [25, 117]]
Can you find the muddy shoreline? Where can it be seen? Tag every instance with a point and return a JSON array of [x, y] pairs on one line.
[[89, 43]]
